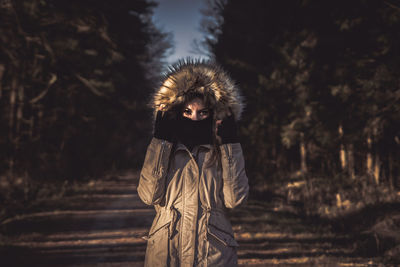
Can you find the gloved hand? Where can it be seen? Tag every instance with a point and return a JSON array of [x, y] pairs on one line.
[[165, 126], [227, 130]]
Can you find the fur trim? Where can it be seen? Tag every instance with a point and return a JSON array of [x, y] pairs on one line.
[[199, 77]]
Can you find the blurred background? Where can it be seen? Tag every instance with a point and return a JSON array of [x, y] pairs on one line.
[[320, 78]]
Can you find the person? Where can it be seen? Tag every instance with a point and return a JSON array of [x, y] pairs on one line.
[[194, 168]]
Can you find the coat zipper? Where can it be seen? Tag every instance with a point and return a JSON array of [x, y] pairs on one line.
[[229, 161]]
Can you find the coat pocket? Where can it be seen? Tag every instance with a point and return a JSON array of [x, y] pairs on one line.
[[157, 250], [222, 236], [222, 247], [220, 229]]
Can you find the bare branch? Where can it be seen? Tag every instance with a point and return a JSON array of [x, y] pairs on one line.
[[392, 5], [87, 83], [53, 79]]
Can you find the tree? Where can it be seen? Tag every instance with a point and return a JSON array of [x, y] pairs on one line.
[[318, 78], [74, 77]]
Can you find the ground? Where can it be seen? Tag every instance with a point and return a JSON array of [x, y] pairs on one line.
[[104, 225]]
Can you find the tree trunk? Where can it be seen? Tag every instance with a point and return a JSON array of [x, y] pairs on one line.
[[346, 155], [13, 96], [2, 69], [377, 168], [20, 108], [390, 171], [303, 155], [342, 152], [369, 155], [376, 160], [350, 159], [39, 123]]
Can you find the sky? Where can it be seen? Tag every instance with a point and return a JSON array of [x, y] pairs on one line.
[[181, 18]]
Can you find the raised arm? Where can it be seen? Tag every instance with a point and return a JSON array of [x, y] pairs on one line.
[[152, 180], [152, 177], [235, 183]]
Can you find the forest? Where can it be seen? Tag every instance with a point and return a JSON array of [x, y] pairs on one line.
[[320, 79], [322, 89], [74, 81]]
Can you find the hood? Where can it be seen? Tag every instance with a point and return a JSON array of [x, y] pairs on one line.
[[201, 77]]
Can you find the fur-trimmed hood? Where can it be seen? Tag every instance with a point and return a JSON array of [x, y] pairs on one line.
[[199, 77]]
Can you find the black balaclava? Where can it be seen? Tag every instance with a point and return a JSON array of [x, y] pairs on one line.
[[192, 133]]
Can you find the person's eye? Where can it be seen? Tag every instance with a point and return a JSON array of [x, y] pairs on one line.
[[204, 113], [187, 112]]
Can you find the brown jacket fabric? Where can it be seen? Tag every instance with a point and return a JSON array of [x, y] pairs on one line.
[[190, 227]]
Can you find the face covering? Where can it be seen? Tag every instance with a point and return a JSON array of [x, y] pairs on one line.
[[192, 133]]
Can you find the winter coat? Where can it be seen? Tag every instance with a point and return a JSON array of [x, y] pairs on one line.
[[190, 197]]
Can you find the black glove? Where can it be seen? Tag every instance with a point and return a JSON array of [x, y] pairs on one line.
[[227, 130], [165, 126]]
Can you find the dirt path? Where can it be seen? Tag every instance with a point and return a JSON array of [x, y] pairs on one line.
[[104, 227]]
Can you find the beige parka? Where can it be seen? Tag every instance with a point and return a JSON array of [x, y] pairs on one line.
[[190, 227]]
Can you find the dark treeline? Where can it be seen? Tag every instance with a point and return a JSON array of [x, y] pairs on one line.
[[74, 79], [321, 79]]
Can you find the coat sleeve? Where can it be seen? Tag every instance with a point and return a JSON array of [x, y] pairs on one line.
[[235, 183], [152, 182]]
